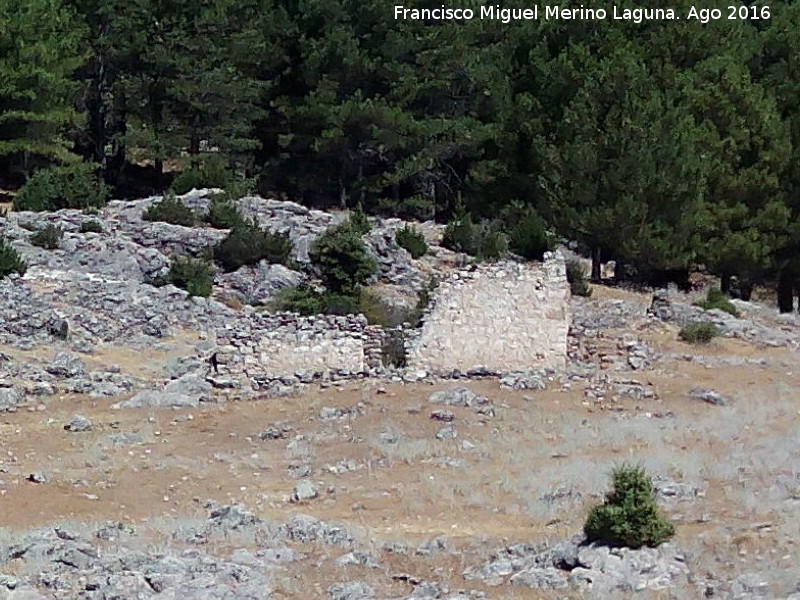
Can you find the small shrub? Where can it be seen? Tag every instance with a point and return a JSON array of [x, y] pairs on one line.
[[359, 221], [412, 240], [170, 210], [339, 304], [213, 173], [492, 242], [578, 279], [187, 180], [699, 333], [630, 515], [485, 241], [342, 260], [302, 299], [527, 232], [460, 235], [306, 301], [719, 300], [194, 275], [10, 260], [91, 226], [48, 238], [68, 186], [223, 214], [248, 244], [379, 311]]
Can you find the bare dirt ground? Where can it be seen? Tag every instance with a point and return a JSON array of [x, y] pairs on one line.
[[529, 473]]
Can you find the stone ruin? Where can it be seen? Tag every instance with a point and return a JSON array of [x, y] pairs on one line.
[[501, 317]]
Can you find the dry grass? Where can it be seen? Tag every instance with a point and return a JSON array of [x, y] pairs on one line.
[[528, 474]]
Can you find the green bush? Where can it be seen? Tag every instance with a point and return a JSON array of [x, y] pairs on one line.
[[577, 278], [699, 333], [248, 244], [492, 242], [412, 240], [10, 260], [359, 221], [91, 226], [719, 300], [485, 241], [460, 235], [48, 238], [213, 173], [630, 515], [380, 312], [170, 210], [302, 299], [68, 186], [527, 232], [306, 301], [342, 260], [194, 275], [223, 214]]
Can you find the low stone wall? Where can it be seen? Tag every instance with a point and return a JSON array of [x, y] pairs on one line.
[[504, 316], [266, 347]]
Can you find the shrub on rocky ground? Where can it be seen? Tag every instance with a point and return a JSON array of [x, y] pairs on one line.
[[578, 280], [485, 241], [10, 260], [212, 173], [378, 311], [223, 214], [699, 333], [342, 260], [527, 232], [194, 275], [359, 221], [48, 238], [630, 515], [306, 301], [91, 226], [248, 244], [719, 300], [67, 186], [170, 210], [412, 240]]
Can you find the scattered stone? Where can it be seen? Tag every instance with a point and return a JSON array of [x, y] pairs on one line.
[[305, 490], [78, 423], [533, 380], [710, 396], [446, 416], [448, 432], [351, 591], [357, 558], [459, 396], [10, 398], [352, 412], [37, 477], [66, 365]]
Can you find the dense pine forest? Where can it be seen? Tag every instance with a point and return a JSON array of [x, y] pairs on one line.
[[662, 145]]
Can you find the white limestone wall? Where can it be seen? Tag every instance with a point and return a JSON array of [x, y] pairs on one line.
[[504, 316]]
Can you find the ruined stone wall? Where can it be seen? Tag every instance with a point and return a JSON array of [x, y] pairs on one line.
[[504, 316], [265, 347]]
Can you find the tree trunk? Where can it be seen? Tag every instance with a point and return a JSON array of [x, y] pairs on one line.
[[596, 264], [725, 283], [786, 291]]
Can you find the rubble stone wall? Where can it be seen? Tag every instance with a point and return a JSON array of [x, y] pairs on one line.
[[504, 317], [276, 346]]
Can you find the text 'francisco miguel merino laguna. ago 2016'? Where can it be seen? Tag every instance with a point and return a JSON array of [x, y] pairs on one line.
[[581, 13]]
